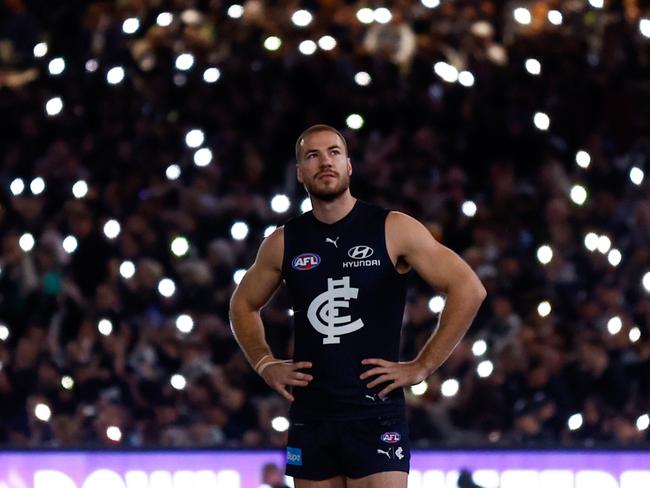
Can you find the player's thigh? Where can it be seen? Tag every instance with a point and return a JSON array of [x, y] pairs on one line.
[[336, 482], [386, 479]]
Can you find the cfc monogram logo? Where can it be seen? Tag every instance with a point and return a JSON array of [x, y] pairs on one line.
[[323, 312]]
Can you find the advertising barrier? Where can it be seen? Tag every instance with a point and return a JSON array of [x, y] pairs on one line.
[[242, 469]]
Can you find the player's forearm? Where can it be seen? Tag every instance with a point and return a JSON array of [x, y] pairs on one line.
[[248, 330], [461, 306]]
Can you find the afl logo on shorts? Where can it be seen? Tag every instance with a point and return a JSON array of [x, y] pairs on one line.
[[305, 261], [390, 437]]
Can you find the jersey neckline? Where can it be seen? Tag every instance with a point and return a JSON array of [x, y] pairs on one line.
[[341, 221]]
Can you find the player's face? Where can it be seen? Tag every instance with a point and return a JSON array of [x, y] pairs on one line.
[[324, 168]]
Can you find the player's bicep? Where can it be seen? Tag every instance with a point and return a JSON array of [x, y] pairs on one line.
[[263, 277]]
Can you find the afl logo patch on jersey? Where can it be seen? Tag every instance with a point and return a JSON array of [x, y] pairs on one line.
[[360, 252], [305, 261], [390, 437]]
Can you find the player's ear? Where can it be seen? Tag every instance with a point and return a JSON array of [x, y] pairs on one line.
[[298, 172], [349, 167]]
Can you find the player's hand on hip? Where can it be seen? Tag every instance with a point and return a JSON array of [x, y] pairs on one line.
[[282, 376], [397, 375]]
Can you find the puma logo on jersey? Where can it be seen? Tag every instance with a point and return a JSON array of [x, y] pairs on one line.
[[381, 451], [332, 241]]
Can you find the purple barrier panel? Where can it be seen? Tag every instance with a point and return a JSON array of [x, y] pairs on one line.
[[242, 469]]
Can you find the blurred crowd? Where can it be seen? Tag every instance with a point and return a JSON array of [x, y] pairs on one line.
[[109, 335]]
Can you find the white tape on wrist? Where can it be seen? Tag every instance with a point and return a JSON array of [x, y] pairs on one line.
[[269, 363]]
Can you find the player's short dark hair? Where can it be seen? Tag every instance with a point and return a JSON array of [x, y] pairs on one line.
[[319, 128]]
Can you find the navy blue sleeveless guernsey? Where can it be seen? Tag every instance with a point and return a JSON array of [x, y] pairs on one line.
[[348, 303]]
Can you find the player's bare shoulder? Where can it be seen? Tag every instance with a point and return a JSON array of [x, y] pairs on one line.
[[271, 250]]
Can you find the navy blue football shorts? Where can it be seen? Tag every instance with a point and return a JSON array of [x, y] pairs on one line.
[[322, 449]]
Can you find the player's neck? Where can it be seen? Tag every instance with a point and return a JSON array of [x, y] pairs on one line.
[[330, 212]]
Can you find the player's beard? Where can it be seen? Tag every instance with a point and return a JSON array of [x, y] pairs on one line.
[[328, 194]]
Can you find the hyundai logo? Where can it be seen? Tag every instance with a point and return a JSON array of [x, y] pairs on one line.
[[360, 252]]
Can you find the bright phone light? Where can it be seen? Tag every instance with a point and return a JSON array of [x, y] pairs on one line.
[[67, 382], [354, 121], [166, 287], [238, 276], [269, 230], [56, 66], [235, 11], [446, 71], [645, 281], [280, 203], [40, 49], [614, 325], [80, 189], [583, 159], [164, 19], [479, 347], [449, 387], [202, 157], [272, 43], [420, 389], [555, 17], [26, 242], [596, 3], [302, 18], [130, 25], [466, 78], [194, 138], [636, 175], [54, 106], [544, 254], [362, 78], [105, 327], [37, 186], [578, 194], [307, 47], [327, 43], [575, 421], [644, 27], [70, 244], [112, 229], [239, 231], [305, 206], [178, 382], [280, 424], [522, 15], [180, 246], [544, 309], [542, 121], [635, 334], [184, 323], [211, 75], [591, 241], [127, 270], [533, 66], [42, 412], [383, 15], [604, 244], [614, 257], [430, 3], [365, 15], [17, 186], [173, 172], [437, 304], [4, 332], [485, 368], [184, 61], [469, 208], [114, 433], [115, 75]]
